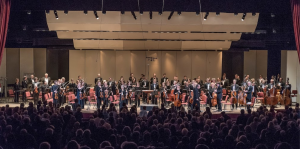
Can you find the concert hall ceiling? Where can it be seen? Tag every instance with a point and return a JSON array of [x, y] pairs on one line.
[[267, 24]]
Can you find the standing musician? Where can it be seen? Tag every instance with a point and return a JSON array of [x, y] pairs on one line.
[[141, 78], [55, 90], [145, 86], [248, 91], [121, 82], [211, 90], [44, 88], [110, 82], [31, 80], [200, 81], [152, 78], [234, 88], [131, 77], [237, 77], [98, 78], [168, 84], [188, 89], [99, 94], [225, 81], [155, 88], [17, 90], [219, 96], [105, 90], [184, 79], [280, 84], [35, 90], [175, 80], [196, 99], [46, 79], [260, 79], [62, 91], [255, 88], [123, 96], [24, 86], [207, 84], [137, 94], [164, 79], [72, 86], [163, 91], [178, 92], [80, 92], [133, 83]]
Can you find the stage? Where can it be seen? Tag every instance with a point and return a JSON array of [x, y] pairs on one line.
[[88, 111]]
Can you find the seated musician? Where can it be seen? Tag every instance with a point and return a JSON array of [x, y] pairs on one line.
[[133, 83], [184, 80], [178, 93], [207, 84], [152, 78], [262, 86], [234, 88], [164, 78], [155, 88], [271, 84]]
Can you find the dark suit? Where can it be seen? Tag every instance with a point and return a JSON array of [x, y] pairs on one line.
[[24, 85], [98, 93], [249, 95], [219, 97], [207, 86], [16, 89], [43, 89], [49, 80], [209, 96], [154, 87], [144, 88], [196, 99], [53, 89], [172, 82], [98, 78], [151, 80], [35, 95], [163, 80], [226, 83], [182, 82], [236, 88]]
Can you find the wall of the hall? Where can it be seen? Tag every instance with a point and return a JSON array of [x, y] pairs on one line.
[[255, 63], [293, 71], [88, 63]]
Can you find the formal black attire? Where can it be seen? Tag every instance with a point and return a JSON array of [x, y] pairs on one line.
[[154, 87], [97, 79], [196, 99], [99, 91], [44, 91], [24, 85], [146, 84], [163, 79], [162, 90], [182, 82], [137, 95], [36, 95], [219, 97], [17, 93], [209, 96], [249, 95], [236, 89], [151, 80], [172, 82], [44, 79], [179, 92], [207, 86]]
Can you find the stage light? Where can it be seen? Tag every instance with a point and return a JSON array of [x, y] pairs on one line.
[[217, 13], [179, 13], [244, 16], [96, 15], [133, 14], [103, 11], [171, 14], [235, 14], [55, 13], [47, 11], [85, 12], [197, 13], [28, 11], [206, 15], [66, 12], [253, 14], [150, 13]]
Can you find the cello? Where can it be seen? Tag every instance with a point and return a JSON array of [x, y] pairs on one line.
[[286, 97], [272, 99], [214, 99], [242, 97], [177, 102], [233, 97]]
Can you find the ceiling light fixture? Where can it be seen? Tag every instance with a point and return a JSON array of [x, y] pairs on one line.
[[96, 15], [85, 12], [66, 12], [170, 16], [206, 15], [29, 12], [55, 13], [244, 16]]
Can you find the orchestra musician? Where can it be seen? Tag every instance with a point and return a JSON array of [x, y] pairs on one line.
[[248, 91], [98, 78], [99, 93], [178, 92], [280, 83], [17, 90], [80, 92], [164, 78], [46, 79], [262, 85], [168, 84], [137, 94], [219, 96], [141, 78], [255, 89], [31, 80], [175, 79], [63, 85], [35, 86], [44, 88], [121, 82], [105, 90], [211, 90], [237, 78], [123, 96], [207, 84], [155, 88], [200, 81], [145, 86], [152, 78], [55, 90], [131, 77], [133, 83], [24, 86], [184, 79], [188, 89], [196, 99], [72, 86], [225, 81], [271, 84], [163, 90], [234, 88], [259, 81]]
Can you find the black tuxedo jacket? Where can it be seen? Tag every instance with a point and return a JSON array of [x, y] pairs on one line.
[[162, 79], [49, 79], [156, 86], [96, 79]]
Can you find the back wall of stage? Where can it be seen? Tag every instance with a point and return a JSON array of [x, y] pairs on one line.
[[88, 63]]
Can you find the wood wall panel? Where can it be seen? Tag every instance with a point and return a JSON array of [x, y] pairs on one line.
[[261, 63], [154, 66], [184, 64], [3, 65], [199, 64], [91, 64], [138, 63], [214, 64], [283, 64], [26, 61], [169, 63], [13, 63], [39, 56], [108, 64], [77, 64], [293, 72], [250, 63], [123, 64]]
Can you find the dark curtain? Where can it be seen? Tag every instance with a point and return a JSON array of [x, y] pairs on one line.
[[4, 17], [296, 19]]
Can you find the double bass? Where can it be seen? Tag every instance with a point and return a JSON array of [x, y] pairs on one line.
[[242, 97], [286, 97], [272, 99], [233, 97], [172, 95], [177, 102]]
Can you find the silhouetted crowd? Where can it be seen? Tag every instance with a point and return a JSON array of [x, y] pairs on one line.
[[46, 127]]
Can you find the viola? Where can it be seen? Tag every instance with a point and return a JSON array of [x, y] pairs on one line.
[[36, 90]]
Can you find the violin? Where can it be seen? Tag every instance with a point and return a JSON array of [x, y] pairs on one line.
[[56, 96], [36, 90]]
